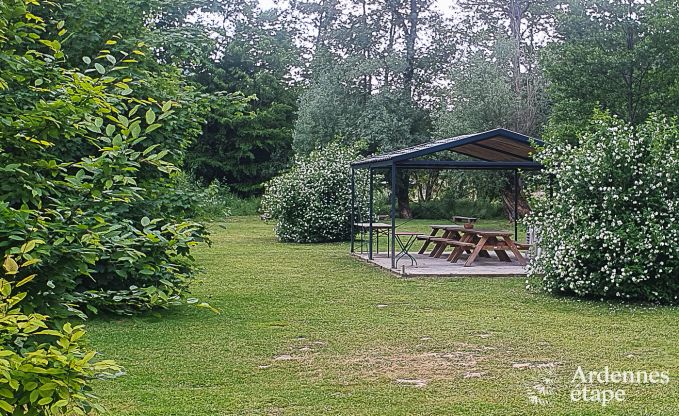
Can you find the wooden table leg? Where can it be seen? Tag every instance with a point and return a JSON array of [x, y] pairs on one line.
[[451, 235], [515, 250], [440, 246], [426, 242], [477, 250], [502, 255], [458, 250]]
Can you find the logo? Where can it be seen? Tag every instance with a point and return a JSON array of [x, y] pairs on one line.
[[607, 386]]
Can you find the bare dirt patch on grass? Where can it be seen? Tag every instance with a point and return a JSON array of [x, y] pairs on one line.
[[300, 349], [420, 368]]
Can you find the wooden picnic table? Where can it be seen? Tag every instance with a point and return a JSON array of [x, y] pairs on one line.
[[485, 240]]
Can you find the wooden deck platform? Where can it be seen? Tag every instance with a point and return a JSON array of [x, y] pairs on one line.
[[432, 267]]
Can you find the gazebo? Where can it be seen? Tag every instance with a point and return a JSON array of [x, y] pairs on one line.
[[498, 149]]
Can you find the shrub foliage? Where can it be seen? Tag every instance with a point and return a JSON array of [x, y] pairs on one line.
[[85, 174], [44, 370], [312, 202], [611, 228]]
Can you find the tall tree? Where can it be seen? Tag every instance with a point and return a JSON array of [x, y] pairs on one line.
[[497, 81], [372, 77], [511, 33], [256, 59], [619, 56]]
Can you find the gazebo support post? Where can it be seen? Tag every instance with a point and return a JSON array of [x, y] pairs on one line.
[[370, 215], [516, 205], [353, 207], [393, 215]]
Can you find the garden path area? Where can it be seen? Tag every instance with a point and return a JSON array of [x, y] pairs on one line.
[[307, 330]]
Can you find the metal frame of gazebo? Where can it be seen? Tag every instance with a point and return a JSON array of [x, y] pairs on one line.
[[498, 149]]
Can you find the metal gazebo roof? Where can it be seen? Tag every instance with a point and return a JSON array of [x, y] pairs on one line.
[[493, 149]]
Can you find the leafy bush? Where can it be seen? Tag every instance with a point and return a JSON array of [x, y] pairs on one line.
[[44, 371], [213, 202], [312, 202], [86, 175], [611, 228]]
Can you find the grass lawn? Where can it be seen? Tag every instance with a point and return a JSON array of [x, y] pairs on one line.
[[307, 330]]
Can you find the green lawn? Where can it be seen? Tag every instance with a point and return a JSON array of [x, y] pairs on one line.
[[307, 330]]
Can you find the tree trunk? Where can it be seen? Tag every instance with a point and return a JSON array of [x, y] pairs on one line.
[[402, 197], [411, 37], [523, 208], [408, 75]]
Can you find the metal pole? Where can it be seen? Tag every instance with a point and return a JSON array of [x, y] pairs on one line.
[[393, 215], [516, 204], [370, 214], [353, 206]]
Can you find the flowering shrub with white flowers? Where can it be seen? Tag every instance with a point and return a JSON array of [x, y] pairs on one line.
[[610, 230], [312, 202]]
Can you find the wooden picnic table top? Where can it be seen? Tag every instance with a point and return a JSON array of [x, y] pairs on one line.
[[455, 228], [486, 233], [407, 233], [442, 226]]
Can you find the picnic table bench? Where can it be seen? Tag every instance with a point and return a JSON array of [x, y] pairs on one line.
[[468, 220]]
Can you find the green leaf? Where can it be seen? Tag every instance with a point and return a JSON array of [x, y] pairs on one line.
[[11, 266], [44, 401], [50, 332], [99, 67], [87, 60], [6, 406], [135, 130], [5, 288], [145, 221], [153, 127], [28, 246], [58, 404], [25, 280], [150, 149], [150, 116]]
